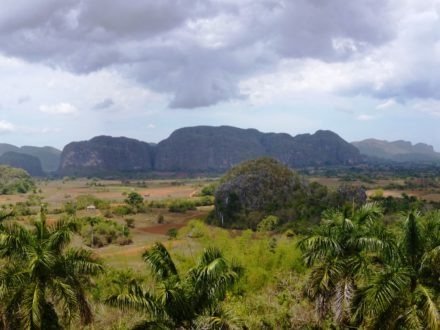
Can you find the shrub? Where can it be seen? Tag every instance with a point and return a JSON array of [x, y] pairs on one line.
[[268, 224], [172, 233]]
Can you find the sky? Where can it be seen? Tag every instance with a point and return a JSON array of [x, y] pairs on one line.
[[74, 69]]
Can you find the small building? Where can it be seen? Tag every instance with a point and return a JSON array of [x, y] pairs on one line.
[[91, 208]]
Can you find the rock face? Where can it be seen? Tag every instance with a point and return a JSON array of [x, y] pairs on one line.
[[29, 163], [205, 148], [400, 151], [106, 155]]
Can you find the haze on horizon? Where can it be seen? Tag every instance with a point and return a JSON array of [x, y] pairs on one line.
[[74, 69]]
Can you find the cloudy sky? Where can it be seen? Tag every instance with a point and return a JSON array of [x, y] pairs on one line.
[[73, 69]]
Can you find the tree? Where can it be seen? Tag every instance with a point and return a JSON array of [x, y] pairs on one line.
[[92, 221], [340, 253], [43, 282], [181, 301], [404, 292], [134, 199]]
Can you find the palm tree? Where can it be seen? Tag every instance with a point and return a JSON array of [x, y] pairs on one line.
[[340, 253], [43, 282], [179, 301], [404, 292]]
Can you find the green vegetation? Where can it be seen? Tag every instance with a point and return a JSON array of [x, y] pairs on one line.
[[43, 282], [319, 259], [15, 181], [182, 300], [98, 232], [365, 276]]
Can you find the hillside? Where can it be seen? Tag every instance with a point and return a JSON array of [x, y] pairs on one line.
[[205, 148], [29, 163], [399, 151], [48, 156], [14, 180], [105, 155]]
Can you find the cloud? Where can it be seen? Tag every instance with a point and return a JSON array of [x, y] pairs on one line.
[[387, 104], [58, 109], [196, 52], [151, 126], [365, 117], [104, 104], [6, 127]]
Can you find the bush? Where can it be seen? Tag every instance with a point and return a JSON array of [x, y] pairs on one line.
[[160, 219], [122, 210], [181, 206], [129, 222], [172, 233], [85, 200], [268, 224], [105, 232]]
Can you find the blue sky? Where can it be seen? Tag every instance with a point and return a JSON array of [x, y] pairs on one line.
[[74, 69]]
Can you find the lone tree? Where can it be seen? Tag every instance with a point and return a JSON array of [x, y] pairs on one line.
[[134, 199]]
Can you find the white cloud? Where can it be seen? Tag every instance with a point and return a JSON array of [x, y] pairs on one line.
[[151, 126], [59, 109], [365, 117], [387, 104], [6, 127], [430, 107]]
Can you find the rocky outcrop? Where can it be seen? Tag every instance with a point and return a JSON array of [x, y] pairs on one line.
[[206, 148], [105, 155]]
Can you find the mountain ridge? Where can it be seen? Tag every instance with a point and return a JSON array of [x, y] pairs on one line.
[[398, 151], [208, 149]]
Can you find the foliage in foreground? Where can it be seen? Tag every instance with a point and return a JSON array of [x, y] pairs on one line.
[[43, 282], [363, 276], [182, 300]]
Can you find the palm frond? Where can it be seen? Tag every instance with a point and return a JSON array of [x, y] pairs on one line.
[[384, 289], [318, 247], [60, 234], [82, 262], [430, 312], [368, 212], [160, 262], [413, 242]]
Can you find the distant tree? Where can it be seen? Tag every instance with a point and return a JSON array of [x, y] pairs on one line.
[[135, 200]]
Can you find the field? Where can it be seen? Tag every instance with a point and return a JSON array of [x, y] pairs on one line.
[[272, 287], [147, 230]]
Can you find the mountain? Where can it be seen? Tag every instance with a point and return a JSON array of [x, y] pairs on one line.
[[207, 148], [204, 149], [4, 147], [48, 156], [399, 151], [29, 163], [106, 155]]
